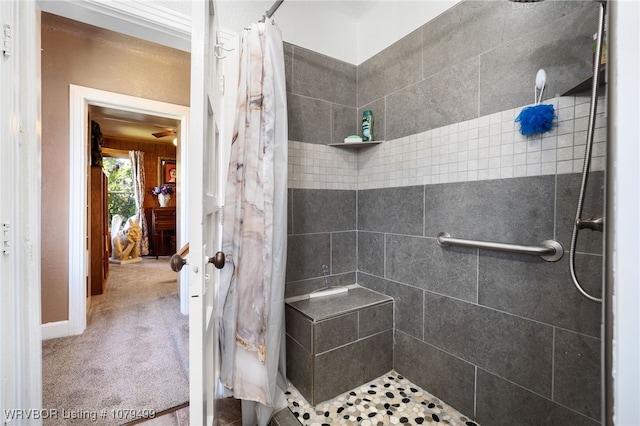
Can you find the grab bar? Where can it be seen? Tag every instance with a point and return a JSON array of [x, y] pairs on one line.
[[550, 250]]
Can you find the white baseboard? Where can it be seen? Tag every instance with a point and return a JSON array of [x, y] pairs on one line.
[[52, 330]]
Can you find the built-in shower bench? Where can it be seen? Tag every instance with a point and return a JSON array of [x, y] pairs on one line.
[[338, 342]]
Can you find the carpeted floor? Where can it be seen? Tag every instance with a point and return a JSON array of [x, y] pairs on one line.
[[131, 360]]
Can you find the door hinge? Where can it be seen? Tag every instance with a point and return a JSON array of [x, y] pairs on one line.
[[6, 246], [6, 40], [222, 84]]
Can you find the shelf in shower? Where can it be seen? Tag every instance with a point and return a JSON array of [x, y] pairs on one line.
[[355, 145]]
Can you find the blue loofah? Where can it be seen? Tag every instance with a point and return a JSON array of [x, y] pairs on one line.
[[536, 119]]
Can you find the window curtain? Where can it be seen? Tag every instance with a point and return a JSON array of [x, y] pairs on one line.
[[137, 172]]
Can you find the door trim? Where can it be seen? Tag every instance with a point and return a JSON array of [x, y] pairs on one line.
[[80, 98]]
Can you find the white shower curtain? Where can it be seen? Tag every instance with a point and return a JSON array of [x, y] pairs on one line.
[[255, 217]]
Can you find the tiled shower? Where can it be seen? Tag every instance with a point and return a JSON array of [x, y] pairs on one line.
[[503, 338]]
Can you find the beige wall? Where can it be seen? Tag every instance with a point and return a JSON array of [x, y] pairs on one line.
[[75, 53]]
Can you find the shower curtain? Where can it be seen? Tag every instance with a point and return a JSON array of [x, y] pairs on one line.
[[254, 233]]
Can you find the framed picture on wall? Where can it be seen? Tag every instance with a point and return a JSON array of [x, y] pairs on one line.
[[167, 171]]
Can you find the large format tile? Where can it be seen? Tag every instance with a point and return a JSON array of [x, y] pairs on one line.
[[543, 291], [514, 348], [371, 253], [288, 49], [501, 403], [309, 120], [319, 210], [322, 77], [461, 33], [445, 98], [568, 188], [344, 122], [562, 48], [577, 372], [375, 319], [298, 327], [394, 68], [441, 374], [422, 263], [306, 254], [334, 332], [407, 301], [299, 368], [516, 211], [397, 210], [343, 252], [347, 367]]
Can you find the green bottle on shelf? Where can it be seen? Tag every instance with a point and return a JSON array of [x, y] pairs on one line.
[[367, 125]]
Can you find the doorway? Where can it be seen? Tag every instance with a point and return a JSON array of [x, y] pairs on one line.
[[80, 101]]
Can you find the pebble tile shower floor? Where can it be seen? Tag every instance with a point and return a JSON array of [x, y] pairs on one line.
[[388, 400]]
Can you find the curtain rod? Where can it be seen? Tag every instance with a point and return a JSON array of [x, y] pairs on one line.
[[269, 13]]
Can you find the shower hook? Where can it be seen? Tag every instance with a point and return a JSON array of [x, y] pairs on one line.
[[221, 47]]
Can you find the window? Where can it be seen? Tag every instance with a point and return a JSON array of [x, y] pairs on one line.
[[121, 198]]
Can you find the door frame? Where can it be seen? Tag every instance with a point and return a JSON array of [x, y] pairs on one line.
[[80, 99]]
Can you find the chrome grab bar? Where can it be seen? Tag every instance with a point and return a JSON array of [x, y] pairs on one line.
[[549, 250]]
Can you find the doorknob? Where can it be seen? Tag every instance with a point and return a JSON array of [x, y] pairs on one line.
[[218, 260], [177, 260]]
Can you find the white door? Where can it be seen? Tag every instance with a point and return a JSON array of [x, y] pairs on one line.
[[202, 170]]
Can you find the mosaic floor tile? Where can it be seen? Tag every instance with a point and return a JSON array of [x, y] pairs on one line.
[[388, 400]]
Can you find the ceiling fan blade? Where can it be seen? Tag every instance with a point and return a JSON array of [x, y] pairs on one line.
[[163, 134]]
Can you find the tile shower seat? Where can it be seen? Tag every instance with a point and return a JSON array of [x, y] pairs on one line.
[[336, 343]]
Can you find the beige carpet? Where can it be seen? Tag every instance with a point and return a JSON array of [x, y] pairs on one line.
[[132, 357]]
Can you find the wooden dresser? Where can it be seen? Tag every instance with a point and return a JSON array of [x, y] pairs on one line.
[[163, 230]]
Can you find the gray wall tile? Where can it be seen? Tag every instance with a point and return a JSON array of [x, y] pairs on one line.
[[306, 254], [344, 122], [577, 372], [390, 70], [421, 262], [345, 368], [322, 77], [447, 377], [517, 211], [514, 348], [309, 120], [375, 319], [299, 368], [343, 252], [334, 332], [289, 211], [398, 210], [288, 65], [448, 97], [501, 403], [567, 200], [464, 32], [317, 210], [407, 302], [534, 288], [562, 48], [371, 253], [298, 327]]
